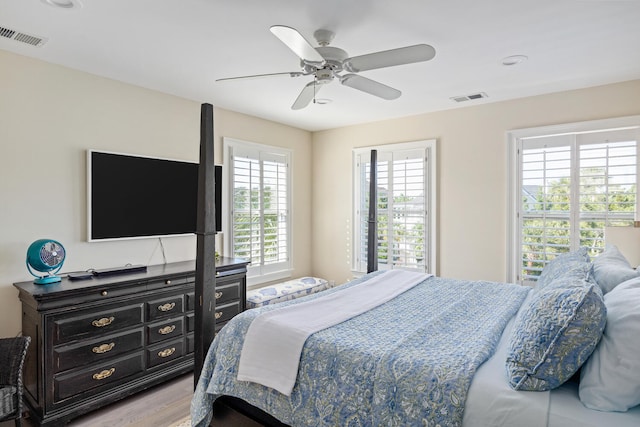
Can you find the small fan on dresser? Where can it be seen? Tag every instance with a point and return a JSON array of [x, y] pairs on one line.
[[45, 256]]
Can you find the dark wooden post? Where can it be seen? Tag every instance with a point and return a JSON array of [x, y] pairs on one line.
[[206, 245], [372, 232]]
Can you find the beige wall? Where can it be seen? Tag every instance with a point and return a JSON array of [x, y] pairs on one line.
[[472, 174], [50, 116]]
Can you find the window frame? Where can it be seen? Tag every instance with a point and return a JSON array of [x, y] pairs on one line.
[[259, 274], [514, 181], [430, 173]]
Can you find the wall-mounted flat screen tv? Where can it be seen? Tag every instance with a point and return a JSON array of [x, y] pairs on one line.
[[131, 196]]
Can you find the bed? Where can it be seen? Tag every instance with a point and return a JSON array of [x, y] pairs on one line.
[[490, 400], [448, 352]]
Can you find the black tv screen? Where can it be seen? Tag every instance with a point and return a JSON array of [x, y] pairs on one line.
[[134, 196]]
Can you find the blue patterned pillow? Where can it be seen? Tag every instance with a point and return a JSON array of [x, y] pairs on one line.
[[576, 264], [575, 276], [554, 334]]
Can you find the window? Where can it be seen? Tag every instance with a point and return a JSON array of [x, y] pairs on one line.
[[571, 185], [259, 197], [406, 201]]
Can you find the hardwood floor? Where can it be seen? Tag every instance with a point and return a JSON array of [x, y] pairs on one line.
[[160, 406]]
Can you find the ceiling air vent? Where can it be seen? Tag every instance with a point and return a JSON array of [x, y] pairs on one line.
[[22, 37], [471, 97]]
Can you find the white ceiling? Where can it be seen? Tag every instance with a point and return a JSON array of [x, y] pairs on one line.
[[181, 47]]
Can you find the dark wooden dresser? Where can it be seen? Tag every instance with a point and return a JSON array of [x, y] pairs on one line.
[[99, 340]]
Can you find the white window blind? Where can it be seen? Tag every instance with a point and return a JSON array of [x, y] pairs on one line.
[[260, 200], [571, 187], [404, 189]]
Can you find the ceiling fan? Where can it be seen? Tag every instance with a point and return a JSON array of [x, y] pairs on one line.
[[327, 63]]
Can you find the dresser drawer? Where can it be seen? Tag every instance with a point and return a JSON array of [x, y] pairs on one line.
[[191, 301], [85, 353], [87, 322], [167, 306], [164, 353], [191, 343], [226, 312], [100, 375], [165, 329], [177, 280], [227, 291], [219, 326], [191, 322]]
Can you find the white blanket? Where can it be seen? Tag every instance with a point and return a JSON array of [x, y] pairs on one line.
[[271, 351]]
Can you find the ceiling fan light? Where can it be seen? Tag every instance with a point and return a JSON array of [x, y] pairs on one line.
[[323, 101], [514, 60], [324, 37], [64, 4]]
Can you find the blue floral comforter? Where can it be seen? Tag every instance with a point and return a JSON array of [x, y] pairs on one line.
[[407, 362]]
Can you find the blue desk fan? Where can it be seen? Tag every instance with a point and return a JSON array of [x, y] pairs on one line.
[[45, 256]]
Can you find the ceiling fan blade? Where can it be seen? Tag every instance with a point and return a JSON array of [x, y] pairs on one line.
[[370, 86], [255, 76], [308, 93], [390, 58], [298, 44]]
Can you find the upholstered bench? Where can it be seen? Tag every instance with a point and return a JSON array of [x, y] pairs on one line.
[[285, 291]]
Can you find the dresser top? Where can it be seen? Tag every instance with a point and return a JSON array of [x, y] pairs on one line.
[[153, 272]]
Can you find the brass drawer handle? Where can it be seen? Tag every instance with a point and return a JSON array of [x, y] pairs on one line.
[[167, 329], [105, 321], [218, 314], [103, 348], [168, 352], [167, 306], [218, 295], [104, 374]]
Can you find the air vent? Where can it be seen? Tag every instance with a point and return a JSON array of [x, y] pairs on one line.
[[471, 97], [22, 37]]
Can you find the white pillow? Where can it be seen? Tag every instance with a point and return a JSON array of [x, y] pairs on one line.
[[611, 268], [610, 379]]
